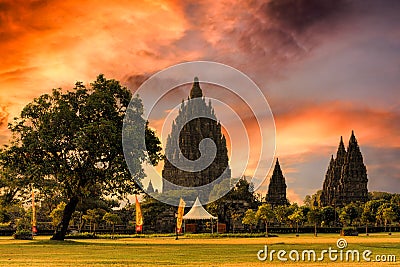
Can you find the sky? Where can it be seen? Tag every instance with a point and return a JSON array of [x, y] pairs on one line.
[[325, 67]]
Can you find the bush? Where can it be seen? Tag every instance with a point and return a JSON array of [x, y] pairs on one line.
[[23, 234], [349, 231]]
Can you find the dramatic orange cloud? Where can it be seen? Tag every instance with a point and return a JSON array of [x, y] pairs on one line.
[[323, 123], [47, 44]]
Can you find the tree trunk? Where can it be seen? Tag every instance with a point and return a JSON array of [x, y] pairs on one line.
[[81, 224], [366, 229], [266, 229], [315, 230], [60, 232]]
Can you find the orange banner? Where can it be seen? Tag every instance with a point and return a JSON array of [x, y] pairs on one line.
[[139, 217], [179, 217], [34, 229]]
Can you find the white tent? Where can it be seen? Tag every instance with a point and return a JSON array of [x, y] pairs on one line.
[[197, 212]]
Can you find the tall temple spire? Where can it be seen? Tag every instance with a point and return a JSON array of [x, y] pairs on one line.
[[346, 180], [196, 90], [150, 188], [352, 138], [183, 148], [341, 152], [354, 172], [277, 187]]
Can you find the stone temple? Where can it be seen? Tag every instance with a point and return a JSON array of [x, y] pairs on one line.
[[277, 187], [195, 121], [346, 178]]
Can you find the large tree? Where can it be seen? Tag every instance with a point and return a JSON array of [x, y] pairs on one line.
[[72, 142], [265, 213]]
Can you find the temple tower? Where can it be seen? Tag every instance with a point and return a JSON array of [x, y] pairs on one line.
[[184, 142], [277, 187], [346, 178], [353, 185]]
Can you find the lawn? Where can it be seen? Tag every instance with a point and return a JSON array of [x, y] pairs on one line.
[[166, 251]]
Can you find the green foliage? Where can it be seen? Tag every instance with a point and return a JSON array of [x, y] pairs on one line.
[[57, 214], [281, 213], [153, 144], [235, 218], [71, 142], [227, 205], [175, 195], [94, 217], [315, 200], [370, 210], [4, 217], [314, 216], [328, 214], [152, 210], [11, 184], [353, 212], [250, 218], [112, 219], [12, 213], [344, 218], [265, 213], [307, 201], [380, 196], [23, 234], [23, 223], [297, 217], [386, 214]]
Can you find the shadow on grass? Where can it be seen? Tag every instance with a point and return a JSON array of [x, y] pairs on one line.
[[90, 242]]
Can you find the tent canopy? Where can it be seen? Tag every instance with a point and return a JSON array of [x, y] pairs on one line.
[[197, 212]]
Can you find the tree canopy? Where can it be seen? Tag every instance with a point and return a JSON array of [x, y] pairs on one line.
[[72, 142]]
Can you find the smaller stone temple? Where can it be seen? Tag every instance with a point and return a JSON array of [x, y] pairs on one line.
[[277, 187], [346, 178]]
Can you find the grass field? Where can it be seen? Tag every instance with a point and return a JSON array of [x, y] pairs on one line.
[[166, 251]]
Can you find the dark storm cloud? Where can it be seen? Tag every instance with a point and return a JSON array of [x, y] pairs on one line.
[[281, 31], [299, 15], [261, 35], [134, 81]]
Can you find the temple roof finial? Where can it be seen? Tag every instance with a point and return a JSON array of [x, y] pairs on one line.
[[196, 90]]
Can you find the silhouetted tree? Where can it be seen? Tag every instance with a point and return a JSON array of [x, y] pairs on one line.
[[74, 140]]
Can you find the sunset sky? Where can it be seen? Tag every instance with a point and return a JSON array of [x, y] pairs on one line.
[[325, 67]]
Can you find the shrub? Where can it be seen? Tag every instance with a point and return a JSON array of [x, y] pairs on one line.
[[23, 234], [349, 231]]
